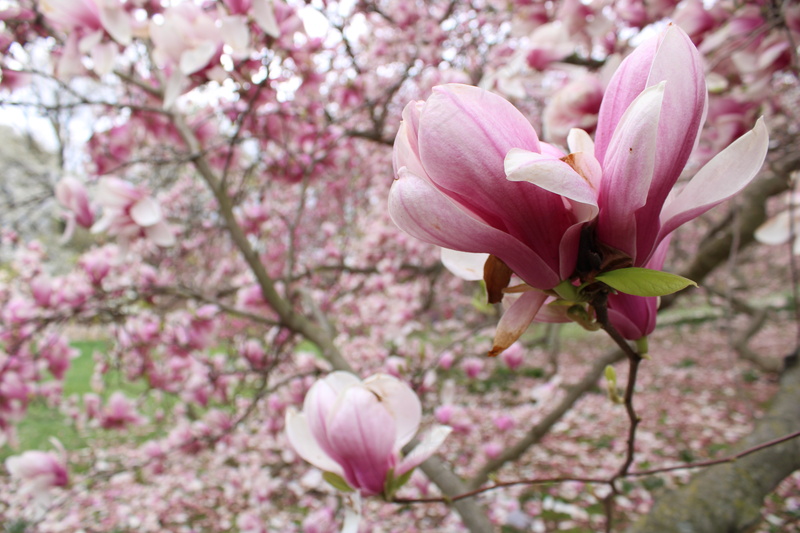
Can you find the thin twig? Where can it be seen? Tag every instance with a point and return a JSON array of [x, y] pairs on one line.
[[712, 462], [600, 304]]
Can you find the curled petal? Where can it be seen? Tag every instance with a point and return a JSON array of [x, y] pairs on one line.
[[628, 82], [406, 143], [428, 445], [683, 113], [516, 320], [552, 175], [585, 164], [465, 265], [678, 63], [726, 174], [580, 141], [320, 400], [464, 136]]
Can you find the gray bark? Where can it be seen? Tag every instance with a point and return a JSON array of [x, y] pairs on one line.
[[728, 498]]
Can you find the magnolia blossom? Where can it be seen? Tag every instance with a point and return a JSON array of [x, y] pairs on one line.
[[356, 430], [473, 176], [72, 195], [86, 22], [87, 16], [119, 412], [574, 105], [38, 470], [783, 227], [548, 43], [188, 38], [130, 212], [451, 188]]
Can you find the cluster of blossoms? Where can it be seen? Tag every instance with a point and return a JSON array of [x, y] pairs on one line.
[[472, 176], [129, 212], [292, 106], [40, 470]]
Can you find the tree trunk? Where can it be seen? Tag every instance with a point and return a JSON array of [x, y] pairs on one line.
[[727, 498]]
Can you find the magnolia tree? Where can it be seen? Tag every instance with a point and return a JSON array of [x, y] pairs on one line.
[[279, 351]]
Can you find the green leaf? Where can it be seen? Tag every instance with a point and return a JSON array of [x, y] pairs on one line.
[[644, 282], [337, 482], [392, 484]]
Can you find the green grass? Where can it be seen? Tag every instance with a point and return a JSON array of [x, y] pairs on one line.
[[43, 422]]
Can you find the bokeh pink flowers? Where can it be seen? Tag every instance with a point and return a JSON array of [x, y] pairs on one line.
[[130, 212], [38, 471], [473, 176]]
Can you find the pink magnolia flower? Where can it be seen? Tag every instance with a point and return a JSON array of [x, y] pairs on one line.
[[130, 212], [575, 105], [356, 429], [472, 366], [513, 357], [72, 195], [531, 209], [119, 412], [549, 43], [87, 16], [38, 470], [451, 188], [86, 22]]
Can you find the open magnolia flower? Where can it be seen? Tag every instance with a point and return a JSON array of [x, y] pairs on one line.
[[38, 471], [472, 176], [130, 212], [354, 430]]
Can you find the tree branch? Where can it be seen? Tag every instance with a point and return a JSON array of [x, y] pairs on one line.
[[471, 512], [728, 497], [537, 432]]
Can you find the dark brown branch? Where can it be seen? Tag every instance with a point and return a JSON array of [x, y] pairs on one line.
[[473, 515], [538, 432]]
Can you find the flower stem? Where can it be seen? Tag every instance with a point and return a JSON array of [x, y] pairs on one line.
[[600, 304]]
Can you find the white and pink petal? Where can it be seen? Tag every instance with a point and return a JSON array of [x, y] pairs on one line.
[[725, 175], [306, 446]]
